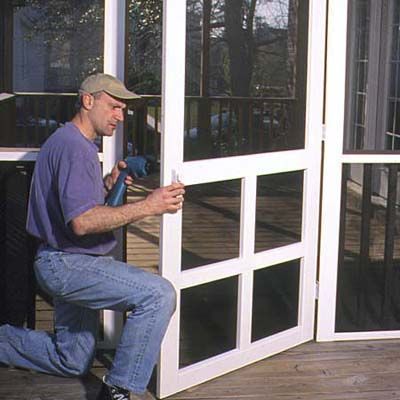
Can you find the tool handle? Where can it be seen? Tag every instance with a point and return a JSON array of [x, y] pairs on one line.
[[116, 195]]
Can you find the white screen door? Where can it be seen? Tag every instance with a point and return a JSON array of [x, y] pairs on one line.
[[242, 253], [359, 227]]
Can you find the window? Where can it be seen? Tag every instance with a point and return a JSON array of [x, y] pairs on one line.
[[373, 73], [50, 47], [245, 77]]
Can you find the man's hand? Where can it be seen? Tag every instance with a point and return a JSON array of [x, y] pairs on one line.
[[110, 179], [168, 199]]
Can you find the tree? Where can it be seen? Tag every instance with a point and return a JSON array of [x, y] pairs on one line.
[[144, 47], [239, 23], [71, 34]]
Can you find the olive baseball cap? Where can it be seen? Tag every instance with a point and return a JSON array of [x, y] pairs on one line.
[[109, 84]]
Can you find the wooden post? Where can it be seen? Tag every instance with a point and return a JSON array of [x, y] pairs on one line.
[[364, 260], [3, 196], [390, 234], [204, 108], [6, 45]]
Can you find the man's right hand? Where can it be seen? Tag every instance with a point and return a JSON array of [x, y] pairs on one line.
[[167, 199]]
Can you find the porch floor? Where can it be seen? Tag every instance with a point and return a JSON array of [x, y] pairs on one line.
[[364, 370]]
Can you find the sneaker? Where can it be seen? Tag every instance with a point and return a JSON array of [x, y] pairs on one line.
[[109, 392]]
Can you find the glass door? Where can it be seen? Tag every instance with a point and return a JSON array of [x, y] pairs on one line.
[[360, 207], [242, 128]]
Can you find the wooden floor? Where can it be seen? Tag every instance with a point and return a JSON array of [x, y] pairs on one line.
[[367, 370]]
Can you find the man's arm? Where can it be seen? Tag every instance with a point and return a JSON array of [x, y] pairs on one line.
[[101, 219]]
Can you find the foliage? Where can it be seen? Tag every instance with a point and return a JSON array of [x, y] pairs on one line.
[[144, 46], [67, 37], [58, 20], [248, 46], [248, 50]]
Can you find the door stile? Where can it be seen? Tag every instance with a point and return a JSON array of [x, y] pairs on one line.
[[172, 125], [334, 126], [245, 307], [312, 175], [247, 240], [114, 62]]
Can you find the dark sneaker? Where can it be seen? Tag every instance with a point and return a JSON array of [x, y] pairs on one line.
[[109, 392]]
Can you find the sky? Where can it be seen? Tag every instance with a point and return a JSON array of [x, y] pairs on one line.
[[274, 12]]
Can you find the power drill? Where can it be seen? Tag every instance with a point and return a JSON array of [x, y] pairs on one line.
[[137, 167]]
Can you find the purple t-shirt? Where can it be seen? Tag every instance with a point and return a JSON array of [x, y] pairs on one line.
[[67, 181]]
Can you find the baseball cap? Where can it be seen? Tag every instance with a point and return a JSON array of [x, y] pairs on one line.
[[109, 84]]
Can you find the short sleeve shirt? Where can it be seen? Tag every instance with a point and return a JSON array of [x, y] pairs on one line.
[[67, 181]]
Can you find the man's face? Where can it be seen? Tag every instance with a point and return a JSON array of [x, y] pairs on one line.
[[106, 113]]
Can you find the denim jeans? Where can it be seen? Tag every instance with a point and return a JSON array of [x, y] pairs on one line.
[[81, 285]]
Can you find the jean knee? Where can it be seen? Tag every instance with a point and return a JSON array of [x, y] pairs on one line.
[[76, 368], [167, 295], [78, 362]]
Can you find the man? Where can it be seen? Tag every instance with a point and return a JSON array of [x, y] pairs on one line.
[[67, 214]]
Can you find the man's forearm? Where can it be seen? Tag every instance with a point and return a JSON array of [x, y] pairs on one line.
[[104, 219], [168, 199]]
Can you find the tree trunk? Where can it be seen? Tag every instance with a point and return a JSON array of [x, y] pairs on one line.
[[240, 45]]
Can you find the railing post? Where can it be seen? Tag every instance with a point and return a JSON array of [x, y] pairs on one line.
[[390, 234]]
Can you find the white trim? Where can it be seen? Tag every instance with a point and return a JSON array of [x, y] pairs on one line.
[[242, 166], [237, 266], [172, 126], [312, 176], [114, 62], [246, 250], [369, 158], [216, 366], [29, 155], [334, 125], [366, 335]]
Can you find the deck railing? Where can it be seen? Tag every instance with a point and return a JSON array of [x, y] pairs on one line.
[[214, 126], [38, 115], [369, 249]]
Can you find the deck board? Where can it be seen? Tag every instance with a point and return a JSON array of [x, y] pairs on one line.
[[362, 370], [317, 371]]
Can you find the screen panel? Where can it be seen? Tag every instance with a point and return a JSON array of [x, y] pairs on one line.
[[369, 249]]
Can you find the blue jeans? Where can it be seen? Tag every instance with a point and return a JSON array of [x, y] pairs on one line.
[[81, 285]]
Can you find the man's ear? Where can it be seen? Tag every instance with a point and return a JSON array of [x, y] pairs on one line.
[[87, 100]]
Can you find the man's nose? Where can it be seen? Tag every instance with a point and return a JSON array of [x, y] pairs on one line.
[[119, 115]]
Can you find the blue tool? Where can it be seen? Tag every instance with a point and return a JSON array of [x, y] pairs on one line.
[[137, 167]]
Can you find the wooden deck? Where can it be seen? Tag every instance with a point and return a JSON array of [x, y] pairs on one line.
[[367, 370]]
